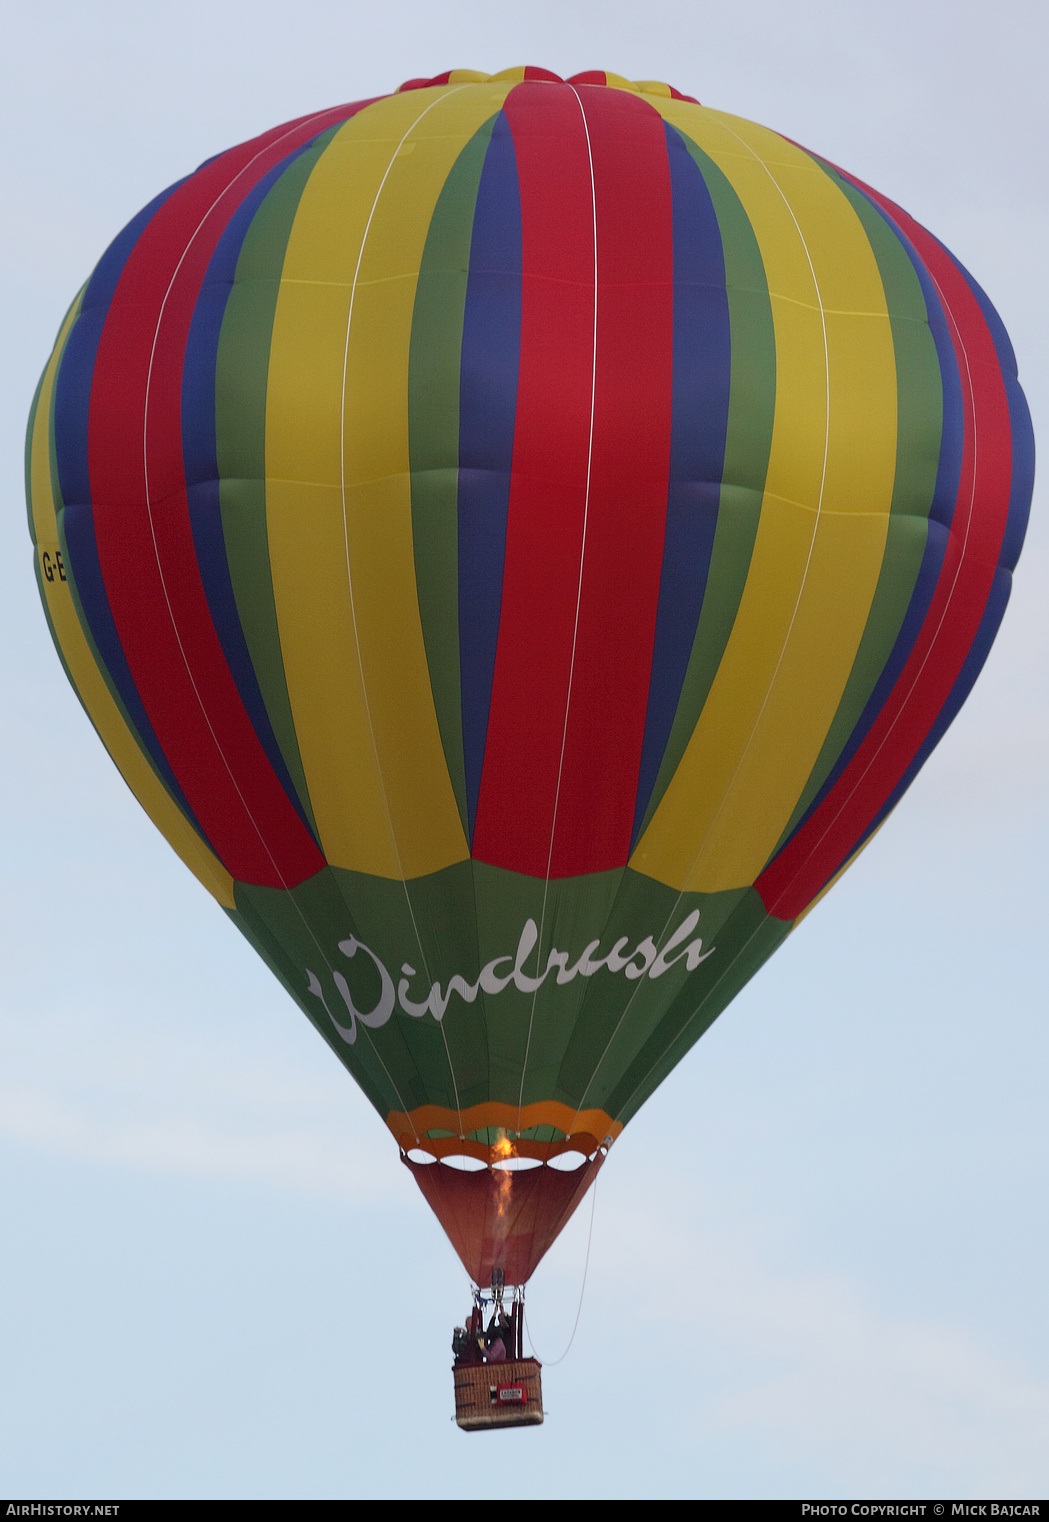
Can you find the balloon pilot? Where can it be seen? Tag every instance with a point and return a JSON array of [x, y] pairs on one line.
[[476, 1343]]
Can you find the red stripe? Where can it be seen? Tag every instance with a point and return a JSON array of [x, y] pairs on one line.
[[815, 853], [568, 702], [145, 543]]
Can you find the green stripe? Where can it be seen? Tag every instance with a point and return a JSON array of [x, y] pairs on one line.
[[241, 380], [919, 424], [752, 405], [745, 942], [114, 691], [404, 1063], [589, 1042], [274, 939], [617, 1017], [427, 924], [28, 456], [433, 433]]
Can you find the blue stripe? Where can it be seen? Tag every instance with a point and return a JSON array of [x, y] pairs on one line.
[[941, 514], [200, 463], [1021, 487], [73, 383], [1022, 483], [491, 348], [1023, 474], [699, 423], [993, 613], [78, 527], [72, 407]]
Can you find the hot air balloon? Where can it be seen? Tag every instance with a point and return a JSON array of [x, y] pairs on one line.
[[518, 539]]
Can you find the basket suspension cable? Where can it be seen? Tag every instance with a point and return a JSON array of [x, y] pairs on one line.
[[582, 1291]]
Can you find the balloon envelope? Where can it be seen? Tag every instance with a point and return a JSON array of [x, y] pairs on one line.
[[518, 539]]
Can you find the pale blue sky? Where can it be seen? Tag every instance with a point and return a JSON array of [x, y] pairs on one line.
[[217, 1278]]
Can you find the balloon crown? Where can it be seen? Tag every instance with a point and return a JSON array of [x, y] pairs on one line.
[[530, 73]]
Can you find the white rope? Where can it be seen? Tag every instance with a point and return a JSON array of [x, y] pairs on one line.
[[582, 1291]]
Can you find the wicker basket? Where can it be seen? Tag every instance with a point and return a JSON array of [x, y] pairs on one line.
[[498, 1394]]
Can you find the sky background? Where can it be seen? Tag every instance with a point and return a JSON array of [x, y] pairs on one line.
[[216, 1278]]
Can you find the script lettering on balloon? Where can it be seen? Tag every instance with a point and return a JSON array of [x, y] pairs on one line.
[[646, 960]]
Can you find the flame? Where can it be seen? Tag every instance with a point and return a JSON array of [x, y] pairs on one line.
[[503, 1148]]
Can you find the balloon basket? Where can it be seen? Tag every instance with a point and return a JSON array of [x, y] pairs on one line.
[[489, 1395]]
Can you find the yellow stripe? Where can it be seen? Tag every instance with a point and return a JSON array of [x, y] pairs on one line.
[[345, 593], [617, 82], [823, 525], [133, 765]]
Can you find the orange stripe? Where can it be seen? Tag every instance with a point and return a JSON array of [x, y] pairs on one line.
[[408, 1128]]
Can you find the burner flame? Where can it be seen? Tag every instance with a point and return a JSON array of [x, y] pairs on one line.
[[503, 1149]]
